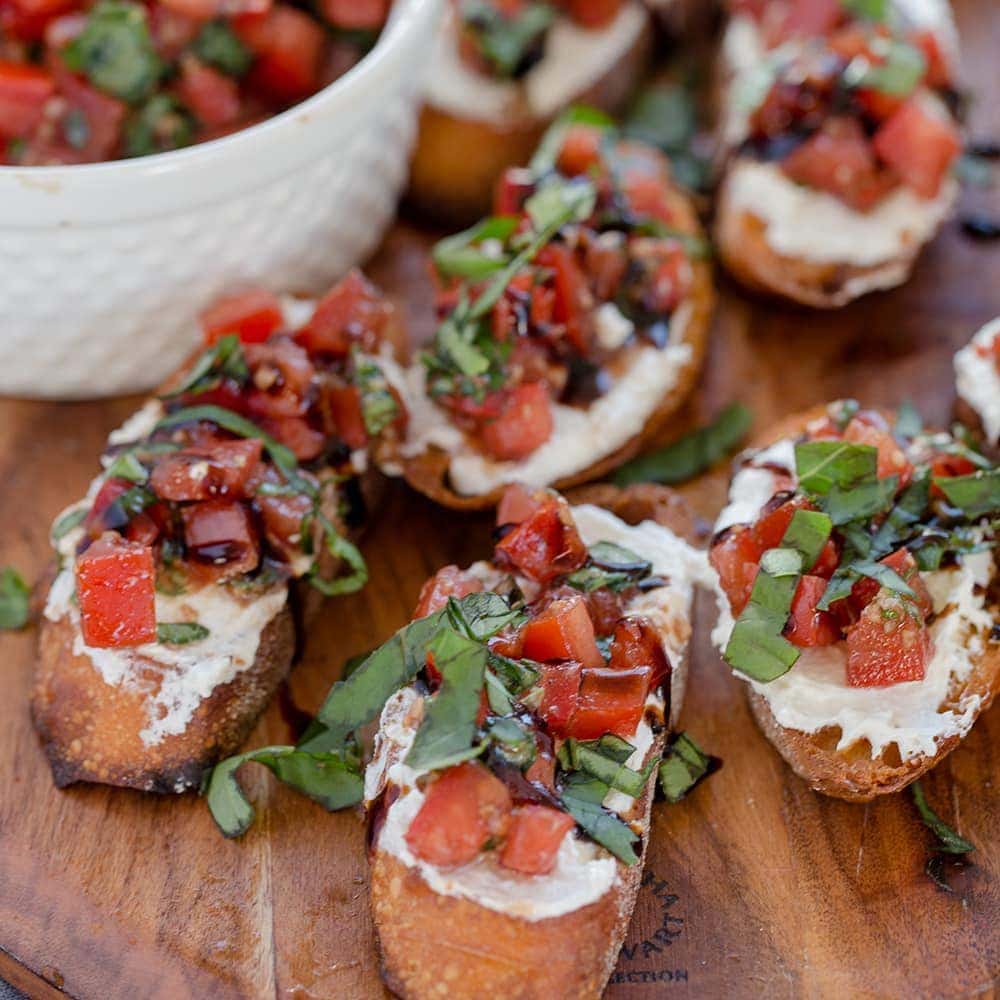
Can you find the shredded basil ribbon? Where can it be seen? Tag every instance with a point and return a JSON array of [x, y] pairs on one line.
[[15, 599], [180, 633], [948, 840], [684, 766]]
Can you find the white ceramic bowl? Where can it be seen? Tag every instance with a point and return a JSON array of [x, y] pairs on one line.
[[104, 267]]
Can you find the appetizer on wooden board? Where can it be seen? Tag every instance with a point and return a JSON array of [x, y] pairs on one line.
[[167, 626], [501, 72], [573, 324], [524, 716], [977, 380], [857, 556], [838, 125]]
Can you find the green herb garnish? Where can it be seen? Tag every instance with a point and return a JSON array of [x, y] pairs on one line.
[[219, 46], [510, 43], [70, 520], [160, 125], [684, 765], [975, 494], [15, 599], [180, 633], [378, 405], [948, 840], [582, 796], [462, 255], [223, 360]]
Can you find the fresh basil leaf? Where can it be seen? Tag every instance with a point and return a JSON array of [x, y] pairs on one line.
[[551, 144], [757, 648], [861, 501], [691, 455], [480, 616], [159, 125], [781, 562], [449, 725], [907, 511], [15, 599], [461, 256], [224, 359], [821, 465], [456, 342], [332, 779], [807, 533], [500, 701], [180, 633], [898, 75], [885, 576], [611, 772], [610, 556], [909, 423], [948, 840], [559, 201], [871, 10], [345, 553], [516, 675], [219, 46], [378, 405], [70, 520], [509, 41], [840, 586], [582, 797], [975, 494], [514, 742], [127, 466], [684, 765], [591, 578]]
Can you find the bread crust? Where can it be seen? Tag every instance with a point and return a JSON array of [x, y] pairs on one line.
[[852, 773], [428, 472], [433, 945], [740, 238], [458, 160]]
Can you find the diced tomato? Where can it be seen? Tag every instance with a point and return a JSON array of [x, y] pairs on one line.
[[219, 533], [938, 74], [198, 10], [735, 558], [581, 150], [605, 608], [24, 92], [355, 15], [865, 590], [542, 771], [563, 631], [352, 312], [593, 13], [219, 470], [517, 504], [647, 196], [345, 408], [507, 643], [877, 104], [116, 591], [920, 146], [889, 644], [868, 429], [252, 315], [147, 526], [305, 442], [944, 466], [771, 526], [523, 424], [533, 839], [544, 546], [812, 18], [637, 644], [103, 516], [449, 581], [283, 517], [572, 295], [806, 625], [289, 46], [610, 701], [463, 809], [282, 378], [213, 97], [560, 693], [515, 186]]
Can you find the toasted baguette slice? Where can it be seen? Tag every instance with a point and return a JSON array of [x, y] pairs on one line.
[[853, 773], [435, 945], [460, 155]]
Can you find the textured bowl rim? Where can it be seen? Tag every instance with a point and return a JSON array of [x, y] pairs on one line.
[[147, 186]]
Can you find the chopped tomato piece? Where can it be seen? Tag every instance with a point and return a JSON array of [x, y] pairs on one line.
[[252, 315], [637, 644], [218, 470], [283, 518], [305, 442], [611, 701], [352, 312], [24, 92], [289, 46], [104, 514], [945, 466], [542, 771], [115, 588], [806, 625], [533, 839], [563, 631], [812, 18], [146, 526], [515, 186], [571, 293], [523, 424], [735, 558], [449, 581], [212, 96], [920, 146], [889, 644], [544, 546], [865, 590], [773, 522], [356, 15], [463, 809], [605, 608], [197, 10], [593, 13], [518, 503], [282, 377], [219, 533], [560, 692], [938, 73], [581, 149], [892, 461], [348, 418]]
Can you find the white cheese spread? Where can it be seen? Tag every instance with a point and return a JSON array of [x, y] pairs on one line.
[[978, 380]]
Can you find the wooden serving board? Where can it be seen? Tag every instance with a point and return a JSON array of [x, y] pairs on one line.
[[755, 886]]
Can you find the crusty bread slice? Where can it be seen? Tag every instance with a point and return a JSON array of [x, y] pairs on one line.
[[458, 160], [853, 773], [433, 945], [428, 471]]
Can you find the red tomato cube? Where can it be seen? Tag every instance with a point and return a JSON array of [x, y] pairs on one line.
[[518, 503], [449, 581], [560, 692], [735, 556], [252, 315], [523, 424], [869, 429], [637, 644], [593, 13], [581, 149], [464, 807], [355, 15], [352, 312], [221, 469], [611, 701], [515, 186], [213, 97], [533, 839], [220, 533], [24, 92], [348, 418], [116, 591], [563, 631], [807, 626], [282, 518], [289, 45], [889, 644], [920, 146], [544, 546]]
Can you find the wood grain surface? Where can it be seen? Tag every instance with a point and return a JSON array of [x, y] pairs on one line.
[[755, 886]]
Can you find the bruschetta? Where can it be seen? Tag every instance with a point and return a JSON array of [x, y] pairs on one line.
[[573, 324], [977, 380], [859, 594], [167, 625], [501, 71], [506, 848], [839, 141]]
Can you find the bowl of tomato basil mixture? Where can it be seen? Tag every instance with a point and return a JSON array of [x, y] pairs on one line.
[[154, 155]]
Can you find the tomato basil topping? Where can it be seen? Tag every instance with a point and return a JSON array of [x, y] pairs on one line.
[[584, 257], [533, 692], [990, 351], [247, 473], [839, 552], [84, 82], [859, 109], [506, 38]]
